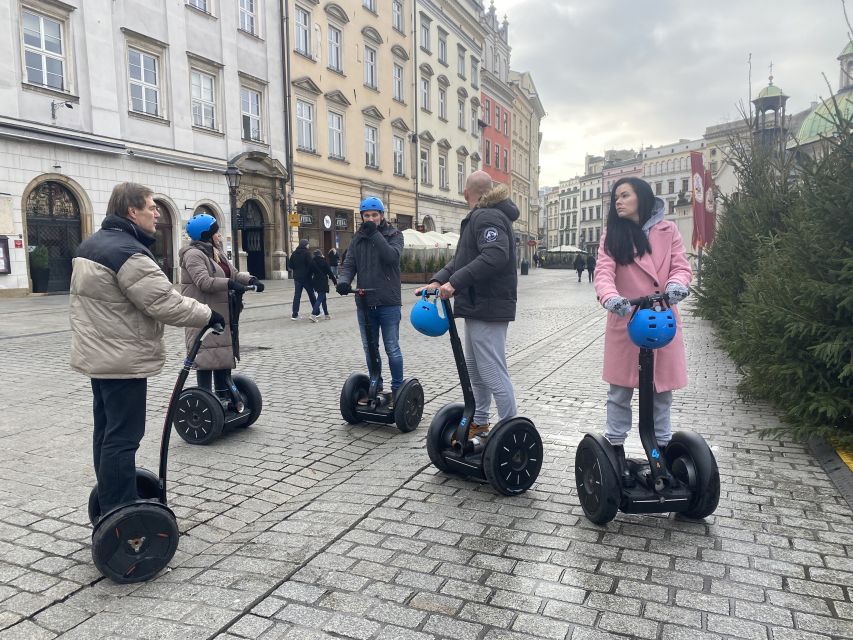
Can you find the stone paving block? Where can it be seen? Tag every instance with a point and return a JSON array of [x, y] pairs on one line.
[[822, 624], [27, 630], [457, 629]]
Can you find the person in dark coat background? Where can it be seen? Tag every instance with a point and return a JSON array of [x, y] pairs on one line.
[[320, 275], [580, 265], [334, 260], [590, 267], [301, 265]]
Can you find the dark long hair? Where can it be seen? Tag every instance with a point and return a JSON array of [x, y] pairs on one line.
[[625, 238]]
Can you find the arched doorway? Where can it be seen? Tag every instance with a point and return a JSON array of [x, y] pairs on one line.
[[253, 238], [162, 248], [429, 223], [53, 226]]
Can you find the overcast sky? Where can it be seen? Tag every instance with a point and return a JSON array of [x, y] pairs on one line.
[[621, 73]]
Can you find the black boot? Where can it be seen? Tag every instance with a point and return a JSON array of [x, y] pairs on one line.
[[624, 474]]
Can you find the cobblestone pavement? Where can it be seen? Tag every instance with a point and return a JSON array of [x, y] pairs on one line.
[[304, 527]]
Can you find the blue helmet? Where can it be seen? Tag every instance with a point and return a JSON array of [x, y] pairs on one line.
[[652, 328], [372, 204], [200, 224], [425, 317]]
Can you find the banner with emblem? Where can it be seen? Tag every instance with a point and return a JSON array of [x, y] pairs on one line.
[[697, 187], [710, 209]]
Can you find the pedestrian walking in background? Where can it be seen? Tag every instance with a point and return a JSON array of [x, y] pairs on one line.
[[483, 279], [590, 267], [334, 259], [208, 276], [320, 275], [580, 265], [120, 299], [373, 257], [301, 265], [639, 253], [536, 260]]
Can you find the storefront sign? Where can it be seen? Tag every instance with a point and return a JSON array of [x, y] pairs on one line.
[[341, 222], [327, 222], [306, 219], [293, 219], [19, 244]]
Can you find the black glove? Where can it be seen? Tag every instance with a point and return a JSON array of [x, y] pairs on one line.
[[368, 227], [343, 288], [236, 286], [259, 286], [334, 281], [216, 318]]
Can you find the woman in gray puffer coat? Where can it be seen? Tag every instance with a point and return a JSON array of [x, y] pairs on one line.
[[208, 276]]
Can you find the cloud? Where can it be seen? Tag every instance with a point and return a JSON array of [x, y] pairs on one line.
[[617, 74]]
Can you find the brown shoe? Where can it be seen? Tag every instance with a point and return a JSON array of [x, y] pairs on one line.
[[478, 430]]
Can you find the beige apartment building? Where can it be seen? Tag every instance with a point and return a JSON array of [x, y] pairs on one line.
[[352, 90]]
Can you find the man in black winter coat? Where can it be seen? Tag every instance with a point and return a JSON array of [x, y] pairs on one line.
[[374, 256], [483, 279], [301, 265]]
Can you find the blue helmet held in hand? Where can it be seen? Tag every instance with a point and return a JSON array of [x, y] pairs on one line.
[[652, 328], [426, 318], [201, 224], [372, 204]]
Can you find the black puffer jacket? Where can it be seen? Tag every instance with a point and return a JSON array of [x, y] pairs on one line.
[[300, 263], [320, 274], [483, 269], [376, 261]]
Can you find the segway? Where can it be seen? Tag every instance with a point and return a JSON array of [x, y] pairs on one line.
[[135, 541], [509, 456], [361, 400], [683, 478], [202, 416]]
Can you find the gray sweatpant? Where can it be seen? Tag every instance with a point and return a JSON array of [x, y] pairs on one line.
[[620, 416], [485, 355]]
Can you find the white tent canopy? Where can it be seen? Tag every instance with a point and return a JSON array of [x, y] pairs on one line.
[[413, 239], [566, 248]]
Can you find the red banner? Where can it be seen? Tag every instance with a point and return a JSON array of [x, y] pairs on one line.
[[697, 186], [710, 208]]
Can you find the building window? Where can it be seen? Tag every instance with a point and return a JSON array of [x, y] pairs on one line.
[[303, 31], [335, 40], [304, 125], [370, 135], [460, 61], [487, 112], [250, 107], [442, 47], [474, 127], [460, 113], [657, 188], [425, 39], [370, 5], [497, 156], [248, 14], [399, 167], [442, 103], [487, 154], [336, 135], [497, 117], [201, 5], [506, 161], [460, 176], [203, 99], [143, 71], [685, 185], [425, 94], [506, 124], [370, 67], [475, 72], [398, 82], [425, 178], [442, 171], [671, 186], [397, 15], [44, 52]]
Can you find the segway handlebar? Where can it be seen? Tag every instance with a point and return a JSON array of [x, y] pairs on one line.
[[649, 300], [428, 292]]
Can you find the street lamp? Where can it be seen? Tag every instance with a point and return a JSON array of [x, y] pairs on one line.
[[232, 176]]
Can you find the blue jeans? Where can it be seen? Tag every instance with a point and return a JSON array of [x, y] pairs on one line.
[[387, 318], [297, 295], [321, 302]]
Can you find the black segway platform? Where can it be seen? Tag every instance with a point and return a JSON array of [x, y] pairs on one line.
[[509, 457], [135, 541], [683, 478], [361, 400]]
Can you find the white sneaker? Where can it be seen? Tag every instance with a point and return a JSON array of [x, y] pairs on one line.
[[315, 318], [328, 317], [294, 318]]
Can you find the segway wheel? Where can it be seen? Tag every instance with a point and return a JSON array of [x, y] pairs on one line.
[[147, 488], [513, 456], [355, 388], [691, 461], [441, 431], [199, 418], [598, 485], [251, 395], [409, 406], [135, 542]]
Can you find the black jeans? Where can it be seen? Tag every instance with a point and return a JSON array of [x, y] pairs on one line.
[[119, 410], [219, 377], [297, 295]]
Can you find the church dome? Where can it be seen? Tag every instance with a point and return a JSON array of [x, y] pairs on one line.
[[771, 91], [821, 121], [848, 50]]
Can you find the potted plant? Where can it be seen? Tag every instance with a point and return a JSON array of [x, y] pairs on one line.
[[39, 270]]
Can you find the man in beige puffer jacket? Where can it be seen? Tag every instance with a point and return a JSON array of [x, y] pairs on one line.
[[120, 300]]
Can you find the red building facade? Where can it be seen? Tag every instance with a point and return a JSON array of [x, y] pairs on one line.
[[496, 137]]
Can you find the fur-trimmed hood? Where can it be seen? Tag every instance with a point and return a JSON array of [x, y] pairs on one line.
[[498, 198]]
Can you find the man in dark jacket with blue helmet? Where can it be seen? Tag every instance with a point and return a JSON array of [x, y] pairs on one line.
[[483, 279], [374, 257]]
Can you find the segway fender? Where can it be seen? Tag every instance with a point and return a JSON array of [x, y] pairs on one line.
[[607, 448]]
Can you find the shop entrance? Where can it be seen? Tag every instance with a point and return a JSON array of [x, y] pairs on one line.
[[253, 239]]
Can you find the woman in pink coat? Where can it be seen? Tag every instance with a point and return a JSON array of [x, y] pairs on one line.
[[640, 253]]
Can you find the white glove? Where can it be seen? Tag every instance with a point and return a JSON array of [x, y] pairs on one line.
[[676, 292], [618, 305]]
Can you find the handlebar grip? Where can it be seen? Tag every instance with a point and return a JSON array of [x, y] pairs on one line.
[[218, 327], [428, 292]]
